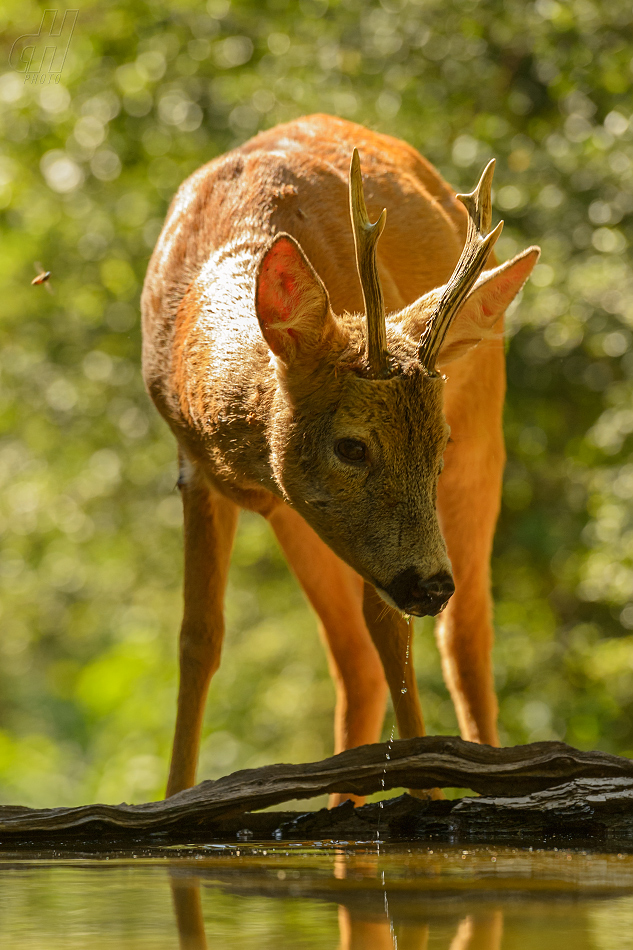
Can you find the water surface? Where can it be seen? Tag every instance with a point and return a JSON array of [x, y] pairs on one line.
[[320, 896]]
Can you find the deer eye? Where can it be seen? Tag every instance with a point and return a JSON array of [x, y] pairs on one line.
[[351, 450]]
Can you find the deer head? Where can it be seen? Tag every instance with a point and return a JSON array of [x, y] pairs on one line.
[[357, 430]]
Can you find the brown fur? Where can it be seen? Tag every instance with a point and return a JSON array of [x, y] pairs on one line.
[[254, 352]]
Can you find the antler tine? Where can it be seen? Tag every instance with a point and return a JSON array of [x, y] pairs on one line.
[[470, 265], [365, 239]]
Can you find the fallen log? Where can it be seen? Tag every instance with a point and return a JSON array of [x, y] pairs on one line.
[[414, 763], [582, 811]]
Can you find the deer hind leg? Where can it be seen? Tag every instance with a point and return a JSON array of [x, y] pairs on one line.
[[464, 629], [336, 593], [468, 503], [210, 521]]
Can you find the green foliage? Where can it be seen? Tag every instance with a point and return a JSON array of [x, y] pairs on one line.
[[90, 561]]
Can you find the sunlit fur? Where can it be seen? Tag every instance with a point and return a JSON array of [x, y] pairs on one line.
[[258, 401]]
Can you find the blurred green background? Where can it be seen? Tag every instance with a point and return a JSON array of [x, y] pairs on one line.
[[90, 557]]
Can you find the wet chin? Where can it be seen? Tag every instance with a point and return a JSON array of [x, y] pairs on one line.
[[387, 599]]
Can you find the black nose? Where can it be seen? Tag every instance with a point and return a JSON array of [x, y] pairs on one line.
[[421, 596]]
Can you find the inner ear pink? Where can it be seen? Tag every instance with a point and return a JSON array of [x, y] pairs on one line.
[[277, 284]]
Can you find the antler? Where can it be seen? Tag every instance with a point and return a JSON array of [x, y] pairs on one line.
[[470, 265], [365, 239]]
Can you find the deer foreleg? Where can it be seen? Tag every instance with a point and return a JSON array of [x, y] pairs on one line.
[[336, 592], [393, 637], [209, 527]]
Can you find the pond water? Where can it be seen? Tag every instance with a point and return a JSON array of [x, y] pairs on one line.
[[319, 896]]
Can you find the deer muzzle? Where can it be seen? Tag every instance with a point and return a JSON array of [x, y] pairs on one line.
[[420, 596]]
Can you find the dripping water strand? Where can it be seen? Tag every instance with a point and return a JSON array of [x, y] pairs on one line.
[[380, 807], [382, 782], [403, 692]]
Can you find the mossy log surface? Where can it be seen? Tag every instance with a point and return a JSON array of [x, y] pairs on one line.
[[541, 785]]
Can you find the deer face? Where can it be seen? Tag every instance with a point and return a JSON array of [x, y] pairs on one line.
[[363, 472], [357, 443]]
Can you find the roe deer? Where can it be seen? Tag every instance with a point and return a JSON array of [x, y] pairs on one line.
[[291, 394]]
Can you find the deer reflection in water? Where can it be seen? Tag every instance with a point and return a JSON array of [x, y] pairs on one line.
[[189, 918], [358, 930], [388, 931], [474, 932]]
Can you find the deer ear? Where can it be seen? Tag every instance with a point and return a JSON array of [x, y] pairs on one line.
[[492, 294], [291, 301]]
